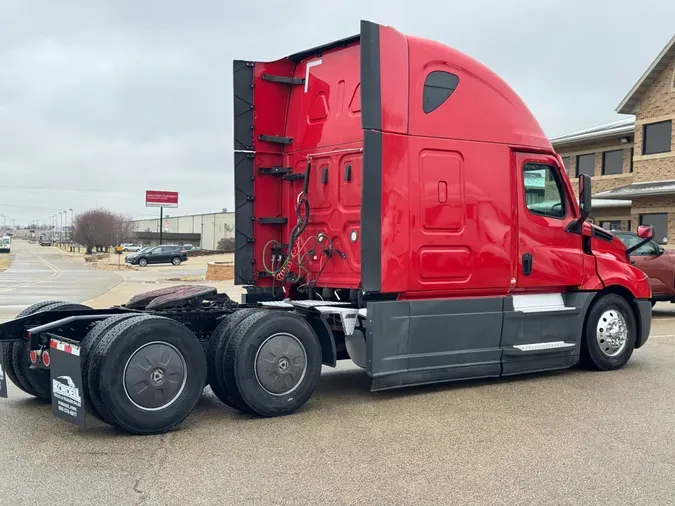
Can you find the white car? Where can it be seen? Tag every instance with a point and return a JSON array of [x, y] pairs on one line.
[[132, 247]]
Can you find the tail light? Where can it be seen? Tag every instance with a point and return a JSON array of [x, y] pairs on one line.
[[33, 357], [46, 359]]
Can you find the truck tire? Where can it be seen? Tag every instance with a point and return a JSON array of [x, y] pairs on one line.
[[273, 360], [87, 346], [211, 347], [609, 334], [8, 349], [159, 356], [217, 345], [37, 381]]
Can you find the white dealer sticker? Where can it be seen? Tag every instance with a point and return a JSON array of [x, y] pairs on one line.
[[64, 388]]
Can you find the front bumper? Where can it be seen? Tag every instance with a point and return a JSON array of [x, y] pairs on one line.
[[644, 321]]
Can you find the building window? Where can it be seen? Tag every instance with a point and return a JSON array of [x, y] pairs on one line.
[[566, 162], [586, 164], [611, 225], [438, 86], [656, 137], [612, 162], [632, 153], [660, 223]]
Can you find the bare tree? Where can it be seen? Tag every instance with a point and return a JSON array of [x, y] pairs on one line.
[[100, 229]]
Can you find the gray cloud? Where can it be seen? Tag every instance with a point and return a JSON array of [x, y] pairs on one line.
[[100, 101]]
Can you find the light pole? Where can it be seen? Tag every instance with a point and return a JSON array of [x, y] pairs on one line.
[[72, 224]]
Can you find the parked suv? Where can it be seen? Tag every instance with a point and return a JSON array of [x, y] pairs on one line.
[[164, 254], [657, 263]]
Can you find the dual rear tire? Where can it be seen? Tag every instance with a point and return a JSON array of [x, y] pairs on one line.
[[264, 362], [142, 374], [16, 357]]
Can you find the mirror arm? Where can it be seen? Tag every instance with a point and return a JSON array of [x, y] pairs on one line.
[[584, 205], [575, 226]]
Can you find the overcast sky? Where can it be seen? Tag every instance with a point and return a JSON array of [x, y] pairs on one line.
[[101, 100]]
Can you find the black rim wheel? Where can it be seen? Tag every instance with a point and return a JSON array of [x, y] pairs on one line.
[[155, 376]]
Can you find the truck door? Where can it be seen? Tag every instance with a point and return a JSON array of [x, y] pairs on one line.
[[549, 258]]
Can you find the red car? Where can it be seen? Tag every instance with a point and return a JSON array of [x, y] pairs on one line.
[[657, 262]]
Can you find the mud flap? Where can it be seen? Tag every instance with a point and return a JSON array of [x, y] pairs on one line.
[[66, 381], [3, 376]]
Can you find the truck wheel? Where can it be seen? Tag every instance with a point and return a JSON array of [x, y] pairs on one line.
[[610, 334], [91, 394], [218, 343], [150, 372], [273, 360], [8, 349], [37, 381], [143, 262]]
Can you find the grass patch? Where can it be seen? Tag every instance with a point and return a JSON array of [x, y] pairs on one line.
[[5, 260]]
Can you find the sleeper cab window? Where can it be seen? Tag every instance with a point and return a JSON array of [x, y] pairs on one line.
[[438, 86], [543, 192]]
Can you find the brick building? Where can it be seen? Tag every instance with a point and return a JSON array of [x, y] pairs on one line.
[[632, 161]]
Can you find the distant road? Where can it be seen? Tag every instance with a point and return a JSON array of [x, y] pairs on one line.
[[40, 273]]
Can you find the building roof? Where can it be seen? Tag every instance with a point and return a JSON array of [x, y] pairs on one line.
[[616, 128], [627, 105], [648, 189]]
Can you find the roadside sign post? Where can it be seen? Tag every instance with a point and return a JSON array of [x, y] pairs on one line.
[[161, 199]]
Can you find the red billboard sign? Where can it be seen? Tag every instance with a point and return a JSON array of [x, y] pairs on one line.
[[155, 198]]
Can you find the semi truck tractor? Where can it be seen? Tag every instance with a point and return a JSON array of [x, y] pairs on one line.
[[397, 204]]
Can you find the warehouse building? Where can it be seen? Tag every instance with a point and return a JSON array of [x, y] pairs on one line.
[[203, 230]]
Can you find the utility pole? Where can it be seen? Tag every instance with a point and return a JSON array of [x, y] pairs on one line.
[[161, 225], [72, 225]]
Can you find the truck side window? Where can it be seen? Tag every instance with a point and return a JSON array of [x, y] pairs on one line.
[[438, 86], [543, 192]]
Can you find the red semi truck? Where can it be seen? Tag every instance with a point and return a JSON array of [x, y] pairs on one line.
[[398, 205]]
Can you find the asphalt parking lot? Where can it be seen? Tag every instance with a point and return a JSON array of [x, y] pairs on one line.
[[571, 437]]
